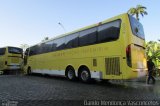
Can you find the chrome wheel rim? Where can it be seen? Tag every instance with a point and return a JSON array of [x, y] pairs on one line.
[[70, 74], [84, 75]]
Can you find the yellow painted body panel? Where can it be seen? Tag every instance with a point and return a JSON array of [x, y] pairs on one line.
[[2, 62], [77, 57], [10, 61]]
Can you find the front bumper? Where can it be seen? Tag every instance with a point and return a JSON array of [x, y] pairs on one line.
[[140, 72], [13, 67]]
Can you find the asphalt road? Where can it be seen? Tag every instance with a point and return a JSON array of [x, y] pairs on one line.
[[46, 90]]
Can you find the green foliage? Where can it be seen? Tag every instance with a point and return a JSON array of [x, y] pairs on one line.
[[153, 51], [24, 46], [138, 10], [45, 39]]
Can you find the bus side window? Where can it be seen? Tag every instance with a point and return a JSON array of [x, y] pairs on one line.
[[53, 46], [58, 44], [44, 48], [88, 37], [33, 50], [30, 53], [72, 41], [49, 46], [109, 32]]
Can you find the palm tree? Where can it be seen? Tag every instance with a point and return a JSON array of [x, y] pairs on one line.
[[138, 10], [24, 46], [153, 51], [45, 39]]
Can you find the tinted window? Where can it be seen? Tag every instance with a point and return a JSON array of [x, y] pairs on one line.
[[88, 37], [102, 33], [41, 48], [137, 27], [2, 51], [72, 40], [48, 46], [34, 50], [54, 45], [45, 47], [15, 50], [58, 44], [109, 32]]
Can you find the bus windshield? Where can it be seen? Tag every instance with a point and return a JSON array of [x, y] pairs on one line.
[[2, 51], [137, 28], [15, 50]]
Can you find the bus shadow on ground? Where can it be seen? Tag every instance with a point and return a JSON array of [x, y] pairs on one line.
[[11, 72], [106, 83], [111, 84]]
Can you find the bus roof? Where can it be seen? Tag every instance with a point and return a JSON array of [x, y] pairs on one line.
[[81, 29], [10, 46]]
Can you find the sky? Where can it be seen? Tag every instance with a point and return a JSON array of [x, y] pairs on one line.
[[30, 21]]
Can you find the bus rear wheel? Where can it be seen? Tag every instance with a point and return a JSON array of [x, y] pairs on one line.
[[85, 75], [70, 74]]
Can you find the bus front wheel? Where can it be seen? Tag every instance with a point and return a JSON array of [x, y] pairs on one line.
[[85, 75], [70, 74], [29, 71]]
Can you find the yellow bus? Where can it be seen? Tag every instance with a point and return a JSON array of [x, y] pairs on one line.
[[11, 58], [111, 49]]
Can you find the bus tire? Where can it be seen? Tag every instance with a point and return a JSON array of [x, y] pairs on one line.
[[70, 73], [29, 71], [84, 75]]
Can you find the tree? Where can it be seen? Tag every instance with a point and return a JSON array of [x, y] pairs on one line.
[[45, 39], [138, 10], [24, 46], [153, 51]]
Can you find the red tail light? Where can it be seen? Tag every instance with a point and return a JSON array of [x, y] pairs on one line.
[[128, 55]]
